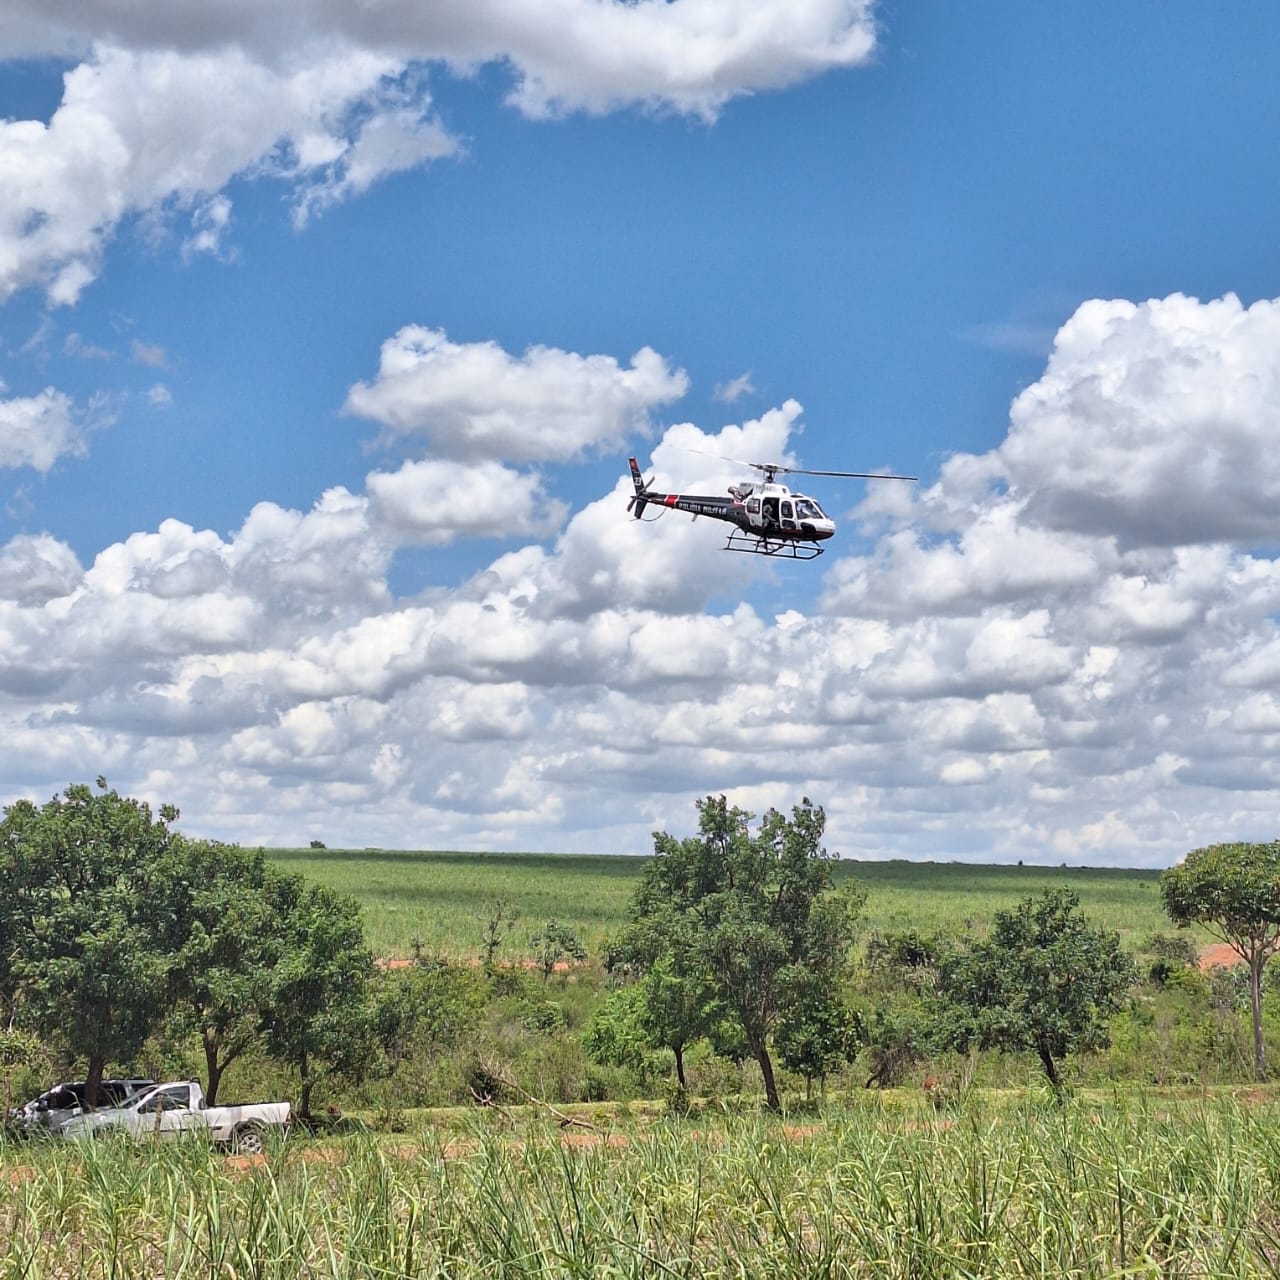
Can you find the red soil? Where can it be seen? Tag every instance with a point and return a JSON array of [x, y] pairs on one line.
[[1219, 954], [403, 962]]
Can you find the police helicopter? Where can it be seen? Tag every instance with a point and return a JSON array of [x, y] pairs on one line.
[[768, 518]]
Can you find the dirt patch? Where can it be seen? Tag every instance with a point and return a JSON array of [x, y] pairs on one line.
[[1219, 955], [594, 1139], [245, 1162]]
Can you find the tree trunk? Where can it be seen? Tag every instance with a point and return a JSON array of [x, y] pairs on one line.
[[1050, 1069], [213, 1069], [304, 1102], [761, 1054], [679, 1052], [1255, 1000], [93, 1081]]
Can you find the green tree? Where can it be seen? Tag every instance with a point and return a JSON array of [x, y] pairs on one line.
[[1045, 980], [677, 1003], [1233, 890], [225, 940], [84, 927], [553, 943], [817, 1034], [320, 1018], [616, 1035], [751, 915], [426, 1007]]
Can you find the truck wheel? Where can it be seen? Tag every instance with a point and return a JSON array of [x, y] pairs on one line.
[[248, 1141]]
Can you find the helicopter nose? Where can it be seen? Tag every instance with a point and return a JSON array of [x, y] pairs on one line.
[[819, 529]]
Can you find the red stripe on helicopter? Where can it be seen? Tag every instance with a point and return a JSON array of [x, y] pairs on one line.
[[671, 499]]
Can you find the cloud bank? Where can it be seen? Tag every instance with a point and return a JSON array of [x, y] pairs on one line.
[[1063, 649], [165, 104]]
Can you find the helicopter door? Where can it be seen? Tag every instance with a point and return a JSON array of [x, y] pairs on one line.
[[770, 512], [787, 516], [753, 512]]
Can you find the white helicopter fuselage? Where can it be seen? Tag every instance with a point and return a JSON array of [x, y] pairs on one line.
[[772, 507]]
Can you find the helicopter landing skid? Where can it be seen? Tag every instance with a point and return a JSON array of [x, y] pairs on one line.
[[756, 544]]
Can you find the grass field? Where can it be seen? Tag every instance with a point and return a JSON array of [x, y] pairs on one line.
[[1140, 1185], [441, 898]]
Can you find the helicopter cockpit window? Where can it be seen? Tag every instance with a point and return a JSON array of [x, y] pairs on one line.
[[753, 506], [807, 509]]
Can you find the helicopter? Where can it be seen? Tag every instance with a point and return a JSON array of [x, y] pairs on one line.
[[769, 519]]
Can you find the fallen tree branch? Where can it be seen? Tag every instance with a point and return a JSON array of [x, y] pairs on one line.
[[566, 1121]]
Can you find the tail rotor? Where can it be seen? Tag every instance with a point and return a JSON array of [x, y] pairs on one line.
[[639, 499]]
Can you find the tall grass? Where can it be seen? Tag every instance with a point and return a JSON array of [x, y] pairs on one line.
[[1142, 1187]]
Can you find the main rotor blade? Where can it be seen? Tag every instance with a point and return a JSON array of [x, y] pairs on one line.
[[851, 475], [777, 468], [742, 462]]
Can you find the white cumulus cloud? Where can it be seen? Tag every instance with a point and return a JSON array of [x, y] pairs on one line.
[[168, 103], [988, 675], [474, 400], [35, 431], [437, 502]]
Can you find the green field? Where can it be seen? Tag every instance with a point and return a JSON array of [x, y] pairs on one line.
[[441, 898]]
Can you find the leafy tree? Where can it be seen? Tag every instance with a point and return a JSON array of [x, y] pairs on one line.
[[818, 1034], [1233, 890], [83, 922], [553, 943], [896, 1037], [753, 916], [427, 1006], [226, 941], [616, 1035], [319, 1017], [679, 1006], [677, 1001], [1044, 980]]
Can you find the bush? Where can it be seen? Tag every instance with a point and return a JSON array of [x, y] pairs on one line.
[[543, 1016], [1178, 949]]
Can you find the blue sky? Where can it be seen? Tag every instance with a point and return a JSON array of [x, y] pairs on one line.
[[326, 331]]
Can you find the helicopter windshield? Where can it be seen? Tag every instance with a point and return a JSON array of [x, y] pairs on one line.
[[807, 509]]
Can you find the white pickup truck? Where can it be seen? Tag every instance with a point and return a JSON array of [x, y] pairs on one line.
[[177, 1108]]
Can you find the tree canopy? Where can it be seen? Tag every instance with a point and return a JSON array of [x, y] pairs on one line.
[[1233, 890], [83, 921], [225, 941], [114, 926], [1044, 980], [321, 1018], [740, 922]]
